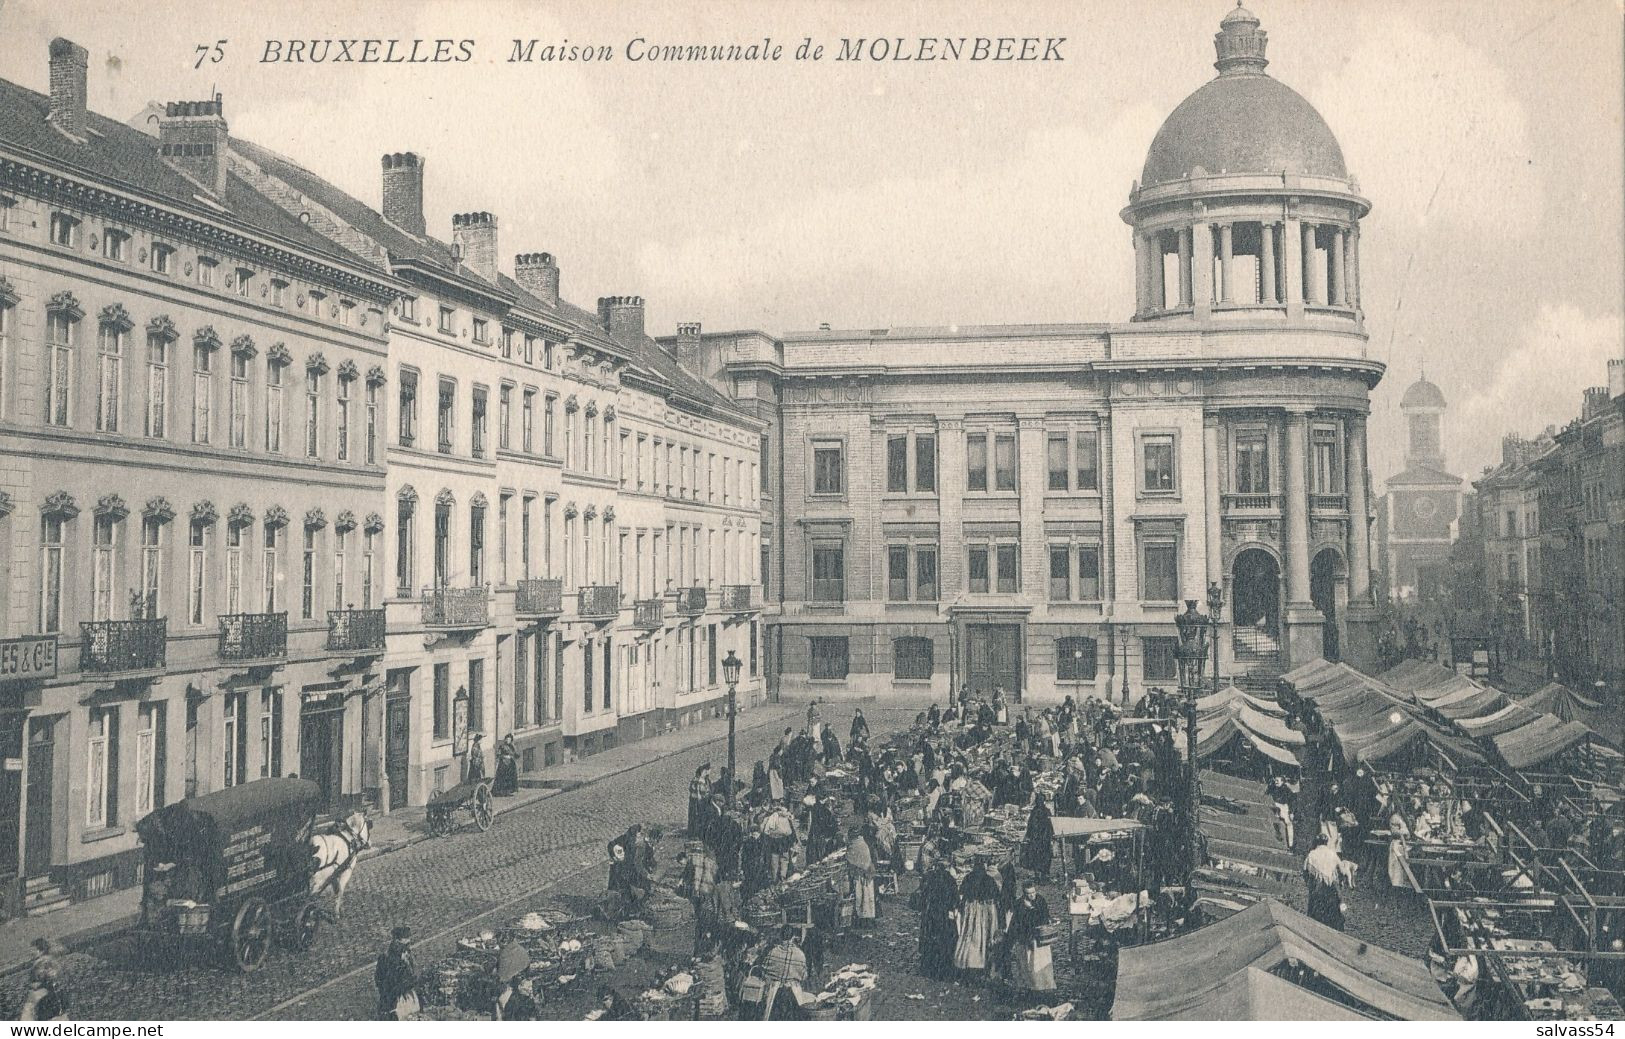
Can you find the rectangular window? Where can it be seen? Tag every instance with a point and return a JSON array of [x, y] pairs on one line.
[[912, 658], [103, 567], [829, 572], [925, 574], [163, 258], [313, 413], [149, 758], [403, 549], [64, 230], [1086, 460], [271, 568], [1060, 573], [1159, 570], [307, 576], [369, 552], [586, 676], [279, 292], [205, 271], [273, 407], [109, 378], [202, 392], [925, 463], [372, 423], [477, 426], [504, 417], [482, 331], [1326, 458], [101, 787], [829, 475], [1089, 573], [1055, 461], [152, 567], [52, 544], [61, 332], [829, 658], [476, 695], [1075, 660], [115, 245], [234, 568], [409, 309], [765, 464], [507, 343], [244, 276], [1008, 575], [270, 732], [897, 573], [1004, 462], [524, 536], [446, 416], [476, 545], [976, 462], [445, 325], [1157, 472], [442, 701], [407, 406], [1161, 664], [502, 538], [342, 418], [548, 413], [977, 568], [897, 465], [197, 572], [1252, 461], [235, 743]]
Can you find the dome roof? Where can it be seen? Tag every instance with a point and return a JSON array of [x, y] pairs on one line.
[[1242, 121], [1422, 394]]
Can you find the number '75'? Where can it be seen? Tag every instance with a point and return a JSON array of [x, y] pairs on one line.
[[214, 55]]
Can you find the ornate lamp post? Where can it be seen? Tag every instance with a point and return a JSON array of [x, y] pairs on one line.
[[1215, 604], [730, 673], [1123, 634], [1193, 637]]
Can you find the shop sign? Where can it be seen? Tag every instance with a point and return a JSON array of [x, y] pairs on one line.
[[30, 658]]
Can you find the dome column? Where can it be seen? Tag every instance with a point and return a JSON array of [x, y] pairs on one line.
[[1303, 620], [1359, 512], [1351, 277], [1266, 263], [1202, 267], [1292, 268], [1311, 287], [1185, 295], [1142, 275], [1158, 286], [1335, 290], [1227, 256]]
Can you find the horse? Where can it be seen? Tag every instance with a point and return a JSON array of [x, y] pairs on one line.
[[333, 857]]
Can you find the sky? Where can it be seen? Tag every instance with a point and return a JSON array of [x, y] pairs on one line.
[[782, 195]]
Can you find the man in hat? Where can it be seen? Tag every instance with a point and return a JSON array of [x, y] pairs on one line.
[[699, 794], [396, 978]]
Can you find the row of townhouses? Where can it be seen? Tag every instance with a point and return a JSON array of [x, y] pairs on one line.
[[289, 485]]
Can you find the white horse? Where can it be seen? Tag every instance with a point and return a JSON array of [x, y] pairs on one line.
[[333, 857]]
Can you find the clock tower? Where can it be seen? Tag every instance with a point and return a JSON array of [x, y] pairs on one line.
[[1423, 502]]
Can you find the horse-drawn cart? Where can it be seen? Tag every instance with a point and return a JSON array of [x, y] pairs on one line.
[[232, 869]]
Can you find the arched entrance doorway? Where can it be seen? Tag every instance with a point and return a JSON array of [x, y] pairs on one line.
[[1326, 579], [1255, 583]]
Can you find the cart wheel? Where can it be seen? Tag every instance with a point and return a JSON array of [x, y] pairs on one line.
[[481, 809], [304, 927], [251, 935]]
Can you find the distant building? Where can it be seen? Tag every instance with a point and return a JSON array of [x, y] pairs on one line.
[[1422, 503]]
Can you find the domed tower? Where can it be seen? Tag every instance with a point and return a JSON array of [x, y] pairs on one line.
[[1423, 502], [1246, 236], [1423, 408], [1245, 208]]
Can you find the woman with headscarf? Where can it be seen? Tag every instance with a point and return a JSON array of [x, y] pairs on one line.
[[1038, 846], [1031, 967], [978, 918], [860, 874], [939, 905], [507, 778], [396, 978]]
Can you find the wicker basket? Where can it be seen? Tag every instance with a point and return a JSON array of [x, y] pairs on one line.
[[192, 920], [764, 919]]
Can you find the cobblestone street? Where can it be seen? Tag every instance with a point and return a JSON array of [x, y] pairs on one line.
[[438, 887]]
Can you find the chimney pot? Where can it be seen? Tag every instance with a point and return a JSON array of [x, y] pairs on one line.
[[192, 137], [476, 235], [69, 65], [688, 346], [621, 315], [403, 191]]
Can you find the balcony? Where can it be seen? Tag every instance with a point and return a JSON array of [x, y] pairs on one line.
[[539, 597], [1245, 503], [599, 601], [691, 602], [119, 647], [1327, 503], [741, 598], [649, 614], [253, 636], [355, 631], [461, 608]]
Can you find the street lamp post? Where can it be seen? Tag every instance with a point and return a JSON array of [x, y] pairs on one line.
[[1193, 636], [1215, 603], [1124, 633], [730, 674]]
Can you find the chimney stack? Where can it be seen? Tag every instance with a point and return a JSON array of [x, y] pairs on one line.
[[69, 63], [1596, 399], [403, 191], [192, 138], [1616, 378], [621, 315], [538, 274], [688, 346], [475, 235]]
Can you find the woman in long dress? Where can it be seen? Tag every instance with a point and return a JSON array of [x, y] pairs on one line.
[[978, 918], [860, 871], [1038, 847], [939, 900], [1031, 965], [1398, 831]]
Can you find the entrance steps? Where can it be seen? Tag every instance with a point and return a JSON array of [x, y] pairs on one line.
[[42, 896]]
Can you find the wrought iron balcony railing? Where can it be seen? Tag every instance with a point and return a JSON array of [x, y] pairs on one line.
[[355, 631], [539, 597], [741, 598], [599, 600], [649, 613], [253, 636], [457, 607], [111, 647], [691, 602]]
